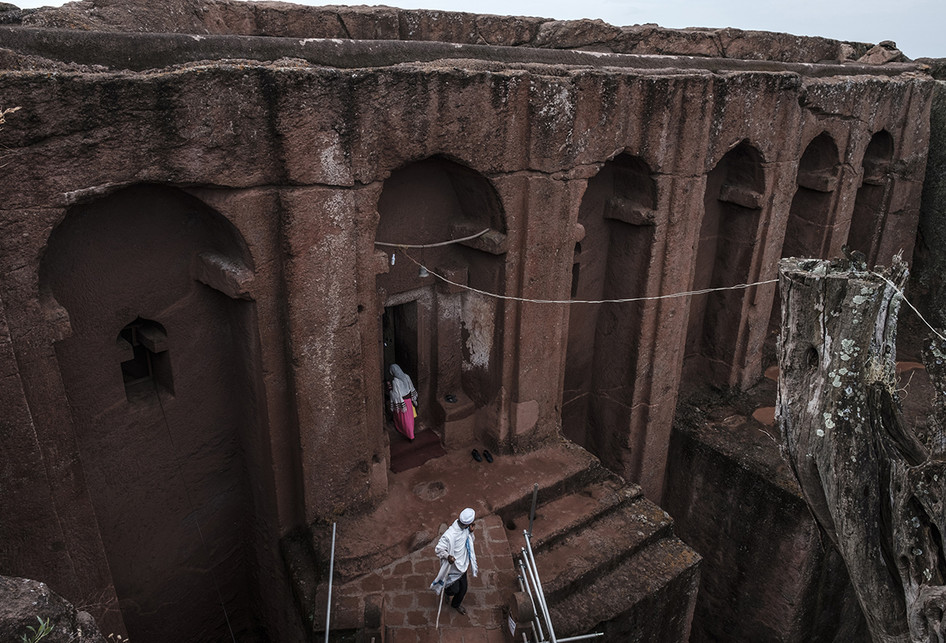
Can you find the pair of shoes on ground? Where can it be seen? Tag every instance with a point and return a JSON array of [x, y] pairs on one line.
[[459, 608], [479, 458]]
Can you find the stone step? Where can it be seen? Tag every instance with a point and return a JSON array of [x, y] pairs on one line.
[[408, 454], [515, 512], [647, 597], [443, 635], [563, 515], [565, 469], [577, 559]]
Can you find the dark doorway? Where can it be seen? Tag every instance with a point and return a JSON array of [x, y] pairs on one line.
[[399, 332], [448, 340]]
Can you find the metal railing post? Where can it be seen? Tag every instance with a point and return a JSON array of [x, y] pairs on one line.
[[535, 496], [541, 614], [536, 621], [539, 590], [331, 573]]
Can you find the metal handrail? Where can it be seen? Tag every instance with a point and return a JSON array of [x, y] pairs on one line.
[[530, 583], [538, 586], [536, 621], [331, 573]]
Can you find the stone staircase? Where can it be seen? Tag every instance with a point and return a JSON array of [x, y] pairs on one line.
[[609, 561], [608, 558]]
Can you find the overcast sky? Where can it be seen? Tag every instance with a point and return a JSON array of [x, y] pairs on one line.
[[917, 26]]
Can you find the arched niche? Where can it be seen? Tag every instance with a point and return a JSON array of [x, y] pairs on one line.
[[161, 374], [727, 241], [810, 218], [618, 215], [872, 201], [446, 337]]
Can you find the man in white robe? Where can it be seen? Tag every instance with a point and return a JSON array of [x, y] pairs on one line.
[[456, 553]]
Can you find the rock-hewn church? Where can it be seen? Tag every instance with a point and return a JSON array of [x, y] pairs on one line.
[[223, 221]]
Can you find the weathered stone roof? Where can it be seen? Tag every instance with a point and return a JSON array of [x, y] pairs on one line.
[[274, 20]]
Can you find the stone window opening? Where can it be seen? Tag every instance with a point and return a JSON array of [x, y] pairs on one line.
[[146, 364]]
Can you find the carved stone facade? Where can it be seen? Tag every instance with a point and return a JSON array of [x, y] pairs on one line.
[[206, 228]]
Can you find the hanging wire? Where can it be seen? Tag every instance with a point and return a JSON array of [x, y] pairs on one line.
[[904, 298], [404, 246], [432, 245], [582, 301]]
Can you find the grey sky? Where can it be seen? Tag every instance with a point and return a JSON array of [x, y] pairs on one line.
[[916, 25]]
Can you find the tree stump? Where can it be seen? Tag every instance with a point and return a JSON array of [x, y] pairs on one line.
[[877, 492]]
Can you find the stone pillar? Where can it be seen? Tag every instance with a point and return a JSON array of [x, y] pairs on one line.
[[325, 348], [541, 213], [663, 337]]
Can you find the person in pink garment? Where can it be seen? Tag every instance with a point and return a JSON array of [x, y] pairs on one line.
[[402, 398]]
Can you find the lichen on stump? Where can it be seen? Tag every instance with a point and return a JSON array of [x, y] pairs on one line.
[[876, 491]]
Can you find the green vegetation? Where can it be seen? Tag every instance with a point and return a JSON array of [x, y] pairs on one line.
[[37, 634]]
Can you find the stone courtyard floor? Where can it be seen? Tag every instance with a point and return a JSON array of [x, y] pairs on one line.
[[410, 607], [389, 552]]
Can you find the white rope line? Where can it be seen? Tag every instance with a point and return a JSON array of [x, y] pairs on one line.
[[432, 245], [704, 291], [584, 301], [904, 298]]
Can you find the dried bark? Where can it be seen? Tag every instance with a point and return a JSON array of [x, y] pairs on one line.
[[877, 492]]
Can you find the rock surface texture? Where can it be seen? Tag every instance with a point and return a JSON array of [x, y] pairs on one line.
[[929, 272], [389, 23], [29, 609], [220, 223]]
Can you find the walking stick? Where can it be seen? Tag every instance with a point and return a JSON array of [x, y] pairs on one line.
[[442, 578], [439, 606]]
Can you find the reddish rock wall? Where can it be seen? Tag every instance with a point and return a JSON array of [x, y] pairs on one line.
[[929, 256], [767, 574], [306, 163]]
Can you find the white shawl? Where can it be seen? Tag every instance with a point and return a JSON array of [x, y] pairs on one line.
[[401, 387], [457, 541]]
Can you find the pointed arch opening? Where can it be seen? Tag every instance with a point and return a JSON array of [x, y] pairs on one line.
[[161, 371], [611, 262], [873, 196], [727, 242], [811, 218], [445, 337]]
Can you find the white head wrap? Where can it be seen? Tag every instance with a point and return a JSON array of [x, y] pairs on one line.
[[401, 383], [467, 516]]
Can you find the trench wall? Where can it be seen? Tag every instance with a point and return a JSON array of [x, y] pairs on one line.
[[295, 159]]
